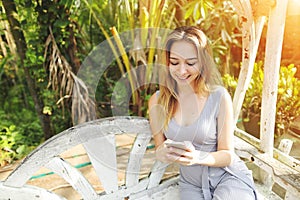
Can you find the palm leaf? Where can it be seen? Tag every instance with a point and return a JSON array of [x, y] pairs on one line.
[[67, 84]]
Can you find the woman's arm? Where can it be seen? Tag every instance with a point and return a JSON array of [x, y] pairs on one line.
[[226, 126], [162, 152], [155, 124]]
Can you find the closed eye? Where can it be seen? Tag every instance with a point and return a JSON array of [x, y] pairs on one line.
[[191, 64], [174, 63]]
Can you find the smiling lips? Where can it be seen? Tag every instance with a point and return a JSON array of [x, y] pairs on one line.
[[183, 78]]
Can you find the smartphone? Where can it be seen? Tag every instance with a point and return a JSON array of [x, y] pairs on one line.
[[179, 145]]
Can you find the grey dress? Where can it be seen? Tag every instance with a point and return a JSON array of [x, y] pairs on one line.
[[202, 182]]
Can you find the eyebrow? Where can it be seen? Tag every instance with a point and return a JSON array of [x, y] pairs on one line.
[[185, 59]]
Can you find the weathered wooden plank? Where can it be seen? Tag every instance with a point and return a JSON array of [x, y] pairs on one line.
[[244, 10], [152, 187], [168, 189], [157, 173], [125, 192], [165, 190], [280, 173], [287, 160], [27, 192], [271, 75], [48, 150], [135, 159], [102, 153], [70, 138], [285, 146], [251, 34], [278, 155], [72, 176]]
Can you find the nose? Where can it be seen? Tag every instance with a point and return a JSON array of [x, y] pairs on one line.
[[182, 69]]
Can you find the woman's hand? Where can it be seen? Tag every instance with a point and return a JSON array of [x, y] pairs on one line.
[[188, 156], [166, 153], [162, 153]]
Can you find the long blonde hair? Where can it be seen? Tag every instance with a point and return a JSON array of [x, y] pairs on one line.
[[207, 78]]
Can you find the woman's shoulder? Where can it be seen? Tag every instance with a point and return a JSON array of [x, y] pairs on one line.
[[219, 89], [220, 92], [154, 98]]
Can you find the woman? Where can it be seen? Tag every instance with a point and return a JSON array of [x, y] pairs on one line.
[[192, 107]]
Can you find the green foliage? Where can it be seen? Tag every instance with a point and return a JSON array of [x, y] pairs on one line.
[[288, 107], [288, 100], [61, 18], [252, 101], [230, 82], [217, 19], [76, 29], [16, 141], [17, 106], [8, 139], [197, 10], [220, 23], [131, 16]]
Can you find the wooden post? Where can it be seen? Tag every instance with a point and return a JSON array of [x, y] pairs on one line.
[[271, 75], [247, 66], [244, 10], [251, 32]]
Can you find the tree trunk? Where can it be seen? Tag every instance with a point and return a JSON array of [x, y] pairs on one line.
[[18, 36]]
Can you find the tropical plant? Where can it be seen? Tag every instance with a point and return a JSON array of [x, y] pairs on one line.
[[41, 48], [43, 44], [288, 106], [147, 16], [17, 141], [288, 101], [142, 18], [220, 22]]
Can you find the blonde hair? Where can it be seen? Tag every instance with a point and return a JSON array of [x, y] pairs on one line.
[[207, 78]]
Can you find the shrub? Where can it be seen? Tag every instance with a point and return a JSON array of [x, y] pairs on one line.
[[288, 100]]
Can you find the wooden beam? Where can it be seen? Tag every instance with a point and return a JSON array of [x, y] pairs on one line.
[[251, 34], [271, 75]]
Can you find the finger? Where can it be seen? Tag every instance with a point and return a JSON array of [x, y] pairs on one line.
[[172, 157], [183, 153], [188, 155], [177, 151], [183, 161]]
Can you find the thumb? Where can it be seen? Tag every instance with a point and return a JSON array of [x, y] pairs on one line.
[[189, 145]]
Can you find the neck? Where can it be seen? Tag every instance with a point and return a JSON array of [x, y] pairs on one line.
[[186, 90]]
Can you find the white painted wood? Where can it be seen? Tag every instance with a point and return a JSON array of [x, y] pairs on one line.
[[285, 176], [152, 187], [98, 137], [287, 160], [251, 34], [157, 173], [70, 138], [72, 176], [271, 74], [167, 190], [280, 156], [52, 148], [102, 153], [285, 146], [244, 10], [124, 192], [135, 159], [27, 192]]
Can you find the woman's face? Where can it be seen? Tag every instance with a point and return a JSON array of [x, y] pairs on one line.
[[184, 64]]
